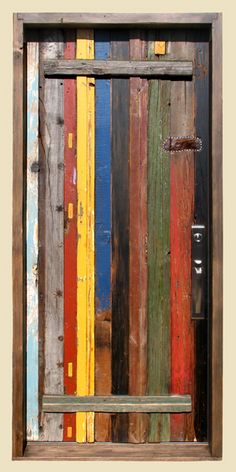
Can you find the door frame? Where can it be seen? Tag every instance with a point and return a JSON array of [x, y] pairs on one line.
[[21, 449]]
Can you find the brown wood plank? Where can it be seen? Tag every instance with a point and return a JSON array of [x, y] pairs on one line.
[[181, 219], [127, 452], [216, 350], [120, 234], [118, 19], [19, 299], [53, 146], [117, 68], [138, 424]]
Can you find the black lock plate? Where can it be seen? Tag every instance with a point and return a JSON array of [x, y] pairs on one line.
[[198, 272]]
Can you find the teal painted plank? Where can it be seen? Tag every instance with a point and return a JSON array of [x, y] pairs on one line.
[[32, 240]]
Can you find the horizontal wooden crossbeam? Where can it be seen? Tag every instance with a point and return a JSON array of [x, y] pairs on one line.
[[117, 68], [117, 403]]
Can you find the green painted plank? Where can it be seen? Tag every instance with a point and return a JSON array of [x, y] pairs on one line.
[[158, 253]]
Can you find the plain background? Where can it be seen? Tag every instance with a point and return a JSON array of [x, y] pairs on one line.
[[122, 6]]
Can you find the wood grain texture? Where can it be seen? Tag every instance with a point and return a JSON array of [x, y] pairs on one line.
[[118, 452], [85, 233], [118, 403], [120, 234], [216, 345], [70, 239], [181, 219], [117, 68], [201, 216], [158, 251], [138, 424], [103, 238], [18, 234], [32, 239], [53, 148], [119, 19]]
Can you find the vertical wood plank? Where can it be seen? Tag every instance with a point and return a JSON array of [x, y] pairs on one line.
[[138, 423], [120, 234], [32, 239], [201, 216], [52, 108], [181, 219], [216, 326], [158, 251], [103, 239], [70, 239], [85, 229], [18, 234]]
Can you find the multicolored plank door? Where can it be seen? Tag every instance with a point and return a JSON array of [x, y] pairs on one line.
[[85, 229], [181, 219], [70, 239], [51, 217], [103, 238], [158, 250], [120, 233], [32, 239], [138, 423]]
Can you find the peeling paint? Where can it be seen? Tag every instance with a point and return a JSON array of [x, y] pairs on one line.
[[32, 241]]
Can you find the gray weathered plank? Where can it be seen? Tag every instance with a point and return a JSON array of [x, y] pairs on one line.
[[53, 100], [117, 403], [117, 68], [119, 19]]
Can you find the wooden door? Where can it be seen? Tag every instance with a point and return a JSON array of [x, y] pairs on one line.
[[117, 190]]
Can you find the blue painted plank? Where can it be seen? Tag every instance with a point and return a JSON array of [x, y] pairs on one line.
[[32, 240], [102, 240], [102, 192]]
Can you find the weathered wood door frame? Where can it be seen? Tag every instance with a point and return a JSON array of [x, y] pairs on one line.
[[66, 451]]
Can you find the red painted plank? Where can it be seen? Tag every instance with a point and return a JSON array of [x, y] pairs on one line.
[[182, 329], [138, 234], [70, 239]]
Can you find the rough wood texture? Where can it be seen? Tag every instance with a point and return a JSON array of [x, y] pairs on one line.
[[118, 403], [53, 105], [103, 238], [216, 346], [119, 19], [158, 251], [32, 239], [116, 68], [70, 238], [120, 234], [127, 452], [18, 234], [201, 216], [181, 219], [138, 424], [85, 233]]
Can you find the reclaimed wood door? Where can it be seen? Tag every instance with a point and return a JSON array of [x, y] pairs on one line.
[[118, 235]]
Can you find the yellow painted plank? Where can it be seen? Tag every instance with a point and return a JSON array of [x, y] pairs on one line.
[[70, 140], [160, 47], [70, 369], [85, 249], [70, 211]]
